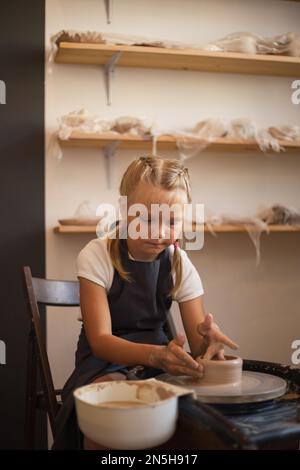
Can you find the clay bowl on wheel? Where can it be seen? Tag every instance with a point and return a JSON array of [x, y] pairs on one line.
[[218, 372]]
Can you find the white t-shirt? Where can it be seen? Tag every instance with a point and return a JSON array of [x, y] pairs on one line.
[[94, 263]]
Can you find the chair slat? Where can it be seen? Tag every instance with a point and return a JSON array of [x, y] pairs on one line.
[[56, 293]]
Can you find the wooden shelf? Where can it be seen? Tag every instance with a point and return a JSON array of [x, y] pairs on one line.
[[75, 229], [178, 59], [237, 228], [165, 142], [91, 229]]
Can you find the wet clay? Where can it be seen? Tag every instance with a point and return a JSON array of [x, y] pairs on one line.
[[122, 404], [218, 372], [160, 391]]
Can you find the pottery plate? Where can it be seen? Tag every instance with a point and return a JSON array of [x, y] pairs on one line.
[[254, 387]]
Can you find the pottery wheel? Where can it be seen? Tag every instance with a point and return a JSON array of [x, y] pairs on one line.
[[254, 387]]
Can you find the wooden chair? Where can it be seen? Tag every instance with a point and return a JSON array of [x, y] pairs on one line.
[[48, 293], [45, 292]]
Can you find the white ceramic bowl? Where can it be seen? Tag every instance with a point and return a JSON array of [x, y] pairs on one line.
[[140, 427], [221, 372]]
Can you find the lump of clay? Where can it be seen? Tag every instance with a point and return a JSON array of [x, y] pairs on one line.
[[251, 43], [92, 37], [191, 142], [236, 42], [284, 44], [280, 214], [82, 121], [242, 128], [291, 133], [132, 125], [210, 129]]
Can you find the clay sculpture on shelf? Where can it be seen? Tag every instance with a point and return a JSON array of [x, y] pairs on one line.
[[243, 42], [251, 43], [280, 215], [83, 121]]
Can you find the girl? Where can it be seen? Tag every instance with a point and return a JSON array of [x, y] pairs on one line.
[[127, 286]]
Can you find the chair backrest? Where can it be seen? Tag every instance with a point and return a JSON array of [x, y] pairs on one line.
[[56, 293], [49, 293]]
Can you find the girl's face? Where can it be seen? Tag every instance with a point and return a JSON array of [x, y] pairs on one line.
[[154, 219]]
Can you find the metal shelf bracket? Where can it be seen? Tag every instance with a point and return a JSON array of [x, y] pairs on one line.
[[108, 152], [109, 69], [109, 10]]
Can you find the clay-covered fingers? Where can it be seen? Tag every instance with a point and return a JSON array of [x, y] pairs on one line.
[[182, 355], [221, 338], [221, 355], [174, 360], [213, 350], [211, 330], [178, 362], [181, 370]]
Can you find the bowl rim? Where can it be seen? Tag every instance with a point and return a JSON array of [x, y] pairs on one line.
[[137, 382], [230, 360]]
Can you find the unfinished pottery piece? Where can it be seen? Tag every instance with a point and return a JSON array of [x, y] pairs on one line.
[[218, 372]]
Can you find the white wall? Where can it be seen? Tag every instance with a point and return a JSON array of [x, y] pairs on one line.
[[257, 306]]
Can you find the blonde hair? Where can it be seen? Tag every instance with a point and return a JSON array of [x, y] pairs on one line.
[[168, 174]]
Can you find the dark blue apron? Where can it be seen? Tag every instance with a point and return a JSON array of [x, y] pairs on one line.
[[139, 310]]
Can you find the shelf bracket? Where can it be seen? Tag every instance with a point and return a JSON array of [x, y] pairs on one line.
[[109, 10], [108, 152], [109, 69], [154, 145]]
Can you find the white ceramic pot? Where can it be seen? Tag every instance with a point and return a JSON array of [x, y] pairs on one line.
[[221, 372], [150, 424]]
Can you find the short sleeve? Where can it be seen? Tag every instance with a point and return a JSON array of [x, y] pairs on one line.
[[93, 263], [191, 284]]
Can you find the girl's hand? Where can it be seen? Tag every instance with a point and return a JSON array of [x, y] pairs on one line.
[[213, 339], [174, 360]]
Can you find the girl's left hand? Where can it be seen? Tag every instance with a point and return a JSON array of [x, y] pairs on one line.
[[213, 339]]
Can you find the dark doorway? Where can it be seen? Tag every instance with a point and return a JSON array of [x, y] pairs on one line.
[[22, 233]]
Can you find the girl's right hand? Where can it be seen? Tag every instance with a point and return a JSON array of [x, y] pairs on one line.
[[174, 360]]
